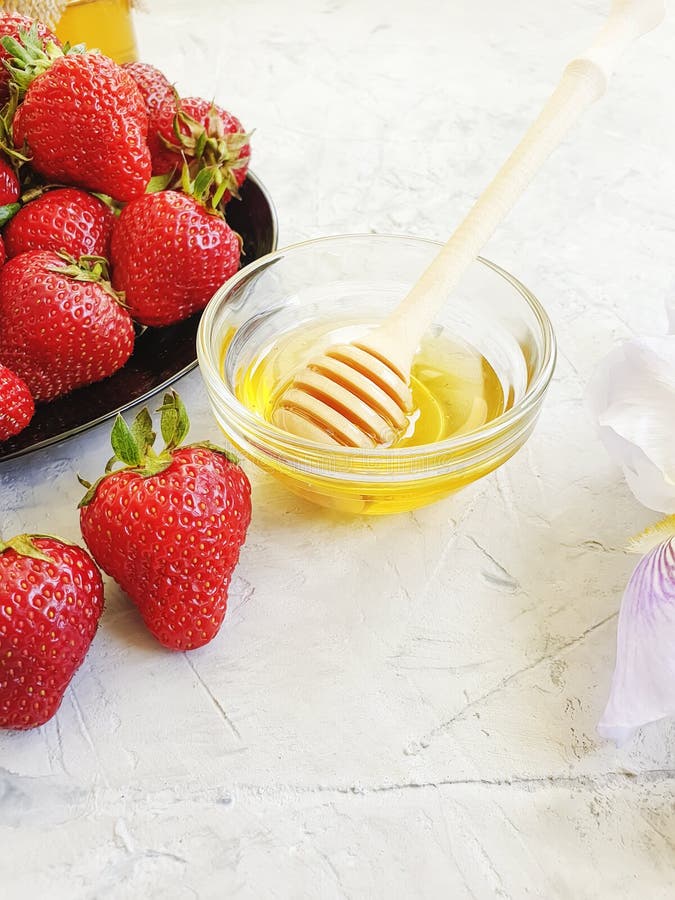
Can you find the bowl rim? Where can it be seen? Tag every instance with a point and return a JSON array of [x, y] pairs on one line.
[[277, 436]]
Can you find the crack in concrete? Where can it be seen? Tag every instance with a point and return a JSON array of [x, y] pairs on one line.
[[86, 734], [81, 800], [424, 742], [506, 580], [528, 783], [450, 849], [333, 868], [652, 826], [221, 712], [452, 540], [59, 742]]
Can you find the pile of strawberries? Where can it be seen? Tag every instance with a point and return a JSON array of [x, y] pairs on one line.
[[112, 206], [167, 526], [112, 199]]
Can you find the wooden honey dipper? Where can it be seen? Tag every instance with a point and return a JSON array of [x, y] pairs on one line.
[[358, 394]]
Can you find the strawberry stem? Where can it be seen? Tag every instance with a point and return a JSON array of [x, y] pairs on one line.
[[16, 157], [93, 269], [133, 445], [29, 57], [212, 158]]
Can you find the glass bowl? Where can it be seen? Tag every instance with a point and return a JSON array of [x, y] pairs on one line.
[[365, 276]]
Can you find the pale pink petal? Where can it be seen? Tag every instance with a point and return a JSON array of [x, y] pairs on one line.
[[643, 686], [633, 399]]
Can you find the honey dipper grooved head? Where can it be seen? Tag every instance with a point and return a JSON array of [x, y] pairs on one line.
[[348, 397]]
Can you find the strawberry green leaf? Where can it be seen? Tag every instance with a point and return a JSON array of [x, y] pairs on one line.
[[133, 445], [203, 182], [28, 57], [177, 119], [201, 145], [71, 48], [124, 444], [8, 212], [175, 423], [24, 545], [160, 182], [219, 194], [91, 490], [215, 124], [15, 49], [97, 266], [93, 269], [142, 431], [185, 179], [109, 202]]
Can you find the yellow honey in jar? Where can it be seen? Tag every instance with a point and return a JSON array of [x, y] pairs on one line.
[[105, 25]]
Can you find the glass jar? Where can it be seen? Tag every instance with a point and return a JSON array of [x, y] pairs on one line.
[[105, 25]]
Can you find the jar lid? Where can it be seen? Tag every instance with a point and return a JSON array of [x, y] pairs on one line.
[[47, 11]]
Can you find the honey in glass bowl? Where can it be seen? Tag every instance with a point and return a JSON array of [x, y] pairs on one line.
[[478, 380], [105, 25], [454, 388]]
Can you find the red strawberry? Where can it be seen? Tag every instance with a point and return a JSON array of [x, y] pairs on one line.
[[168, 528], [11, 25], [16, 404], [211, 138], [3, 253], [51, 599], [9, 183], [160, 101], [66, 219], [62, 326], [169, 255], [82, 121]]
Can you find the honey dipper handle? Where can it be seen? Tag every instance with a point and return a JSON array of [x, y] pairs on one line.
[[583, 81]]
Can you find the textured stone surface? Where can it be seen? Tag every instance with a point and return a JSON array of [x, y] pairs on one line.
[[402, 707]]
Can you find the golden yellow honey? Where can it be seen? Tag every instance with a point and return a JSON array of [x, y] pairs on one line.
[[105, 25], [455, 391]]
